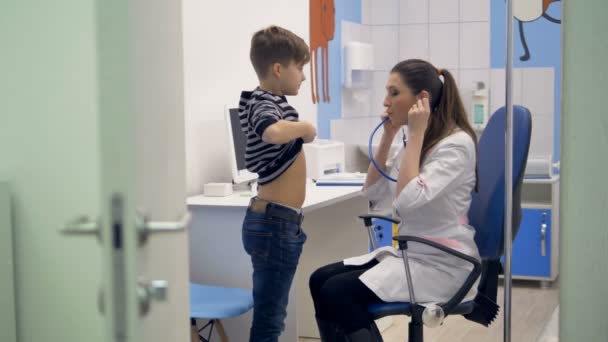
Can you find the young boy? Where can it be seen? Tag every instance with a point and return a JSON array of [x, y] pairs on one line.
[[272, 233]]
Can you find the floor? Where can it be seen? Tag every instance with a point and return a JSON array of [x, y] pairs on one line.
[[551, 331], [532, 309]]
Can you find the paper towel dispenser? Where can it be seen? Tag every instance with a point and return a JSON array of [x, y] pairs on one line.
[[358, 65]]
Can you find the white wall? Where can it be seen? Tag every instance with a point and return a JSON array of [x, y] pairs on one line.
[[217, 68]]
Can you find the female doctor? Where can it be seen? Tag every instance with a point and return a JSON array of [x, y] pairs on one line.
[[435, 173]]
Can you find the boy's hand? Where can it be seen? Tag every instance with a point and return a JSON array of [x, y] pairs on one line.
[[311, 132]]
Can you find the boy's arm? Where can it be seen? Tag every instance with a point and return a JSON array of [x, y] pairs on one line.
[[283, 131]]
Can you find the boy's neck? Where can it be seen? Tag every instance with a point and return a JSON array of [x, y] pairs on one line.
[[271, 87]]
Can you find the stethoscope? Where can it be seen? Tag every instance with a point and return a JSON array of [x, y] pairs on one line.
[[371, 151]]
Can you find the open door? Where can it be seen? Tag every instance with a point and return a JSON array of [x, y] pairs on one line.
[[92, 151]]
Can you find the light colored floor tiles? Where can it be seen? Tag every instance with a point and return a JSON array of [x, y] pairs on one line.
[[551, 331], [532, 308]]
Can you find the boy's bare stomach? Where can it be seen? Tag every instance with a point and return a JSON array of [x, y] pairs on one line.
[[290, 188]]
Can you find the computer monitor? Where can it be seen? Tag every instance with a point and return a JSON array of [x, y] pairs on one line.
[[237, 142]]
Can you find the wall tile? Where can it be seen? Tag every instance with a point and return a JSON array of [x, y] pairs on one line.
[[539, 90], [414, 12], [541, 143], [443, 43], [414, 41], [475, 45], [386, 50], [497, 88], [443, 11], [385, 12], [474, 10], [356, 103]]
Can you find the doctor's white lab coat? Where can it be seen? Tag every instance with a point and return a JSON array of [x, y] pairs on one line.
[[433, 205]]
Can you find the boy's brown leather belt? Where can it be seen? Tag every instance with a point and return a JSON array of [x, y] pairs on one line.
[[275, 210]]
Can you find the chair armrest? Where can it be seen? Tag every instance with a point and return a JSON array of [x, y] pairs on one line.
[[367, 219], [468, 283]]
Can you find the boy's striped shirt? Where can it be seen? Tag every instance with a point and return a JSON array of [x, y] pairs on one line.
[[258, 110]]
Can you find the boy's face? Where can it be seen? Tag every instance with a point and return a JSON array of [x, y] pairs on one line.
[[291, 78]]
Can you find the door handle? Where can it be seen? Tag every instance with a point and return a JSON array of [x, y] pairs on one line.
[[82, 225], [146, 227], [543, 236], [155, 290]]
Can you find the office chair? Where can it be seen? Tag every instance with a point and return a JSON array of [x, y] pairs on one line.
[[486, 215], [214, 303]]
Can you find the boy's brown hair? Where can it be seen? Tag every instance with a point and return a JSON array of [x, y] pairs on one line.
[[275, 44]]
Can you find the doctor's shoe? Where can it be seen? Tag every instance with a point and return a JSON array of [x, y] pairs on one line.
[[371, 334], [330, 332]]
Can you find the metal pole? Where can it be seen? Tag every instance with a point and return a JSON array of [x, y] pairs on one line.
[[508, 172], [408, 275]]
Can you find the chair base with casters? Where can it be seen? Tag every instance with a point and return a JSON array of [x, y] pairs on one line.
[[379, 310], [213, 303], [454, 306]]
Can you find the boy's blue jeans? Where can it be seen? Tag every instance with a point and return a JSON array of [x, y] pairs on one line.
[[273, 237]]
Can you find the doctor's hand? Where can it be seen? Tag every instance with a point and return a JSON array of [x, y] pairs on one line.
[[418, 117], [389, 127]]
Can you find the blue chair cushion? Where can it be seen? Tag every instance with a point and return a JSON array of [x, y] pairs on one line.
[[216, 302], [379, 310]]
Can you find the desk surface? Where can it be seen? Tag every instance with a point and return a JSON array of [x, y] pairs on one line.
[[316, 197]]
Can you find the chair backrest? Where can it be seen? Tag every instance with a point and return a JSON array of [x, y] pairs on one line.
[[488, 204]]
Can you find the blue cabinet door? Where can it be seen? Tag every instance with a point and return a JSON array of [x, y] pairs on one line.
[[528, 259]]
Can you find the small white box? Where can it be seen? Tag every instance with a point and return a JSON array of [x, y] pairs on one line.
[[324, 157], [217, 189]]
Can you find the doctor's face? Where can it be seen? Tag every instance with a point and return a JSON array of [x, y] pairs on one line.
[[398, 100]]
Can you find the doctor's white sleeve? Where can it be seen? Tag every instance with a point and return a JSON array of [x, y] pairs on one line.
[[437, 175], [380, 193]]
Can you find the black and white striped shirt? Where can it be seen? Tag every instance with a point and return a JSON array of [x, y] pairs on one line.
[[258, 110]]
